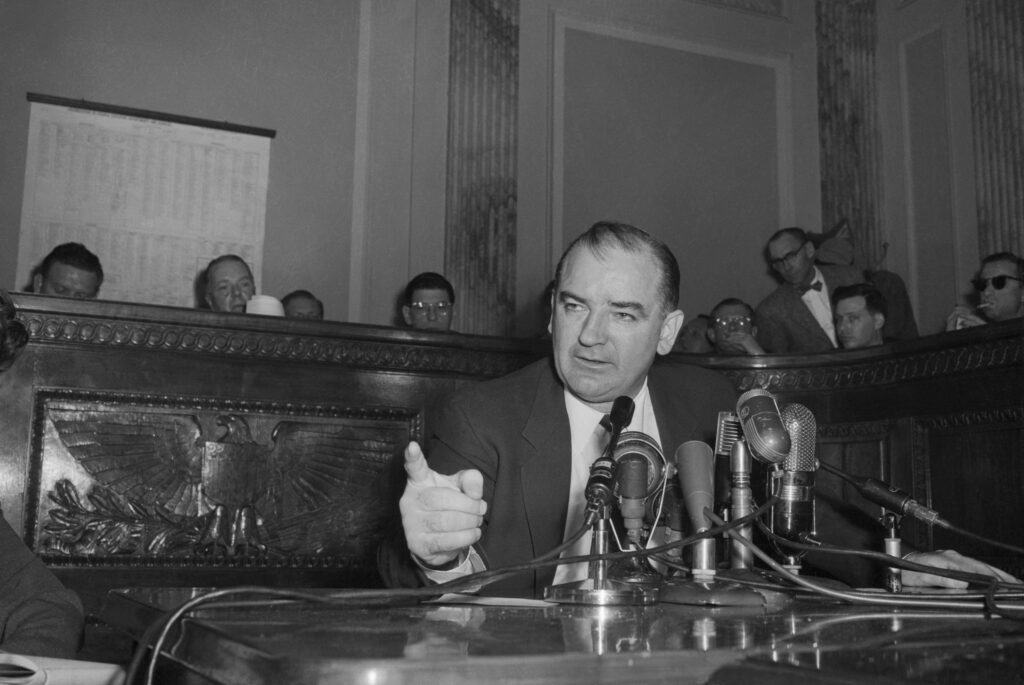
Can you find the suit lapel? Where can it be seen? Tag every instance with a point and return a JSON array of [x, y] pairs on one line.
[[546, 466], [803, 318], [676, 422]]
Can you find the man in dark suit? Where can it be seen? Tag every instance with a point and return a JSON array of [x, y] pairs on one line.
[[796, 318], [505, 455]]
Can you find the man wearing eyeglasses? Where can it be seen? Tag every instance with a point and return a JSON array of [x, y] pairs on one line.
[[1000, 293], [797, 317], [429, 302], [732, 329]]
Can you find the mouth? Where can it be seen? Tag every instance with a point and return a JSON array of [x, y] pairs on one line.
[[986, 305]]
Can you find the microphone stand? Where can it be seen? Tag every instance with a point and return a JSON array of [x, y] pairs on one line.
[[703, 588], [598, 588]]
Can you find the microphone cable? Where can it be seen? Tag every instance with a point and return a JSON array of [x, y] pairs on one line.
[[815, 545], [989, 603], [899, 502]]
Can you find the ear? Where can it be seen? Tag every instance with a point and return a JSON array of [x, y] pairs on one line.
[[710, 334], [669, 330], [810, 250], [407, 314], [879, 320], [37, 282]]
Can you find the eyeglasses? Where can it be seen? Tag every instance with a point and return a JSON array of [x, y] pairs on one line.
[[787, 258], [998, 282], [437, 308], [733, 322]]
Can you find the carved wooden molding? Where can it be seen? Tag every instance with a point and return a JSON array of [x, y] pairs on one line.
[[389, 355], [862, 430], [986, 355]]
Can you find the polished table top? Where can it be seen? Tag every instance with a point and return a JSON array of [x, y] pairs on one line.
[[803, 640]]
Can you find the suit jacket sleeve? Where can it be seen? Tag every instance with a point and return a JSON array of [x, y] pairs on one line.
[[38, 615], [771, 334]]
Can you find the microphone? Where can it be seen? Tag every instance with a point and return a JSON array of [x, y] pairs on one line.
[[695, 467], [640, 473], [793, 517], [600, 489], [889, 497], [762, 425], [632, 478]]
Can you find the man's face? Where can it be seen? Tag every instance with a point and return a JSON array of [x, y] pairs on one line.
[[430, 310], [67, 281], [791, 259], [229, 287], [732, 323], [855, 325], [303, 308], [1004, 304], [607, 323]]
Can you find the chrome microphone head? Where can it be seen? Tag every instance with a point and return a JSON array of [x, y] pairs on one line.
[[803, 435], [727, 432], [635, 444], [763, 429]]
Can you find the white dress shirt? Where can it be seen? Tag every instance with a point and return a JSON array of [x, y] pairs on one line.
[[817, 301]]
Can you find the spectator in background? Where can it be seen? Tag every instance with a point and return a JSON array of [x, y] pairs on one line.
[[1000, 293], [860, 312], [693, 336], [228, 284], [70, 270], [302, 304], [429, 302], [732, 328], [796, 317]]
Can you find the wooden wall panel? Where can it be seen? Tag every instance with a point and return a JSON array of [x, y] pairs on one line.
[[996, 53], [848, 121], [480, 226]]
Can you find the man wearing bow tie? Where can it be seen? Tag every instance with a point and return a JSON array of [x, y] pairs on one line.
[[796, 318]]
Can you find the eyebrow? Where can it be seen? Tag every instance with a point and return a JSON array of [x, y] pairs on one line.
[[625, 304]]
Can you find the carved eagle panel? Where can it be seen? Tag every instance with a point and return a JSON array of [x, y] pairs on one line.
[[188, 484]]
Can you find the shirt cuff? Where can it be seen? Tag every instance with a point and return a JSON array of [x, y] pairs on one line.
[[469, 562]]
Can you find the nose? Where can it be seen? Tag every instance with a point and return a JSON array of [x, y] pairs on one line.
[[431, 313], [593, 331]]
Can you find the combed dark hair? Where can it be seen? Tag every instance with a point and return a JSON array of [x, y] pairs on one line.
[[1006, 257], [732, 302], [220, 260], [632, 239], [72, 254], [297, 294], [873, 298], [429, 280]]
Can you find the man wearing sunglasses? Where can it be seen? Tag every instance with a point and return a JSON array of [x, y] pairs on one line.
[[1000, 293]]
